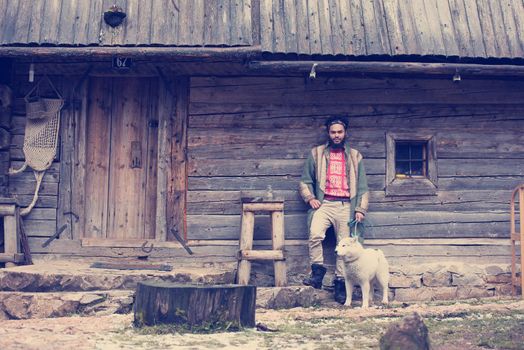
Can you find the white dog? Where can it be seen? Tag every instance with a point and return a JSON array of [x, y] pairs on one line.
[[363, 267]]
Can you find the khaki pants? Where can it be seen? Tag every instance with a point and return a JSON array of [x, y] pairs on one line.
[[330, 213]]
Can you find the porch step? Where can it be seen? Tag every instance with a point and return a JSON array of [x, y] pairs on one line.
[[77, 276], [22, 305]]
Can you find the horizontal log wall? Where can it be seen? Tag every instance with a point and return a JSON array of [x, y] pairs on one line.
[[247, 133]]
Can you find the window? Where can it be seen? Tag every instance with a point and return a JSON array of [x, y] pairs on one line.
[[410, 159], [411, 164]]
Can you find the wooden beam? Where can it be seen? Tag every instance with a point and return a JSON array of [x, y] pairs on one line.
[[304, 67], [240, 52], [261, 255]]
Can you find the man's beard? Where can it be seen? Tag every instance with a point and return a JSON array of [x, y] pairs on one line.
[[334, 145]]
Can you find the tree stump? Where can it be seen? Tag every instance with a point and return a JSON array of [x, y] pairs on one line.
[[192, 307]]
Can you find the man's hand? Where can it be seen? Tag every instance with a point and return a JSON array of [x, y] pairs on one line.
[[314, 203], [359, 216]]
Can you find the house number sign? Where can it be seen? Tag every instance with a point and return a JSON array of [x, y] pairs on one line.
[[122, 62]]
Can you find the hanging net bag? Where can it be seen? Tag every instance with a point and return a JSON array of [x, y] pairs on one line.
[[41, 135]]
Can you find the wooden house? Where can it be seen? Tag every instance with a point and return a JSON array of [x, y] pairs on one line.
[[170, 115]]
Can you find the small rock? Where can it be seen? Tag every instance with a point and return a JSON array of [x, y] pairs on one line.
[[92, 299], [410, 333]]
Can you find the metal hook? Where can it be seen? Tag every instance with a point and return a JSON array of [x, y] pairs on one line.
[[147, 250]]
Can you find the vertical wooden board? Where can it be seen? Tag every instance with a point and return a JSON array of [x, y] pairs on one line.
[[210, 22], [4, 38], [359, 35], [499, 28], [95, 22], [392, 18], [477, 36], [160, 29], [67, 22], [279, 29], [325, 27], [97, 157], [382, 27], [518, 13], [22, 22], [197, 34], [127, 184], [66, 161], [315, 43], [151, 164], [177, 193], [336, 27], [371, 28], [515, 45], [9, 26], [81, 24], [79, 165], [235, 17], [185, 22], [434, 27], [266, 25], [447, 28], [144, 23], [488, 30], [166, 110], [460, 21], [290, 24], [110, 35], [248, 8], [346, 29], [131, 26], [410, 37], [50, 22], [222, 29], [422, 30]]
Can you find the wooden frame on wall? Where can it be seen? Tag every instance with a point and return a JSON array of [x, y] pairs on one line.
[[424, 186]]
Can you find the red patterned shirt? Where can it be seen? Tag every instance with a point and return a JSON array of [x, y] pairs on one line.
[[336, 182]]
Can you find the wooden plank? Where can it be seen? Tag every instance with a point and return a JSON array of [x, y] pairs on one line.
[[166, 110], [249, 22], [211, 22], [66, 28], [376, 29], [131, 26], [510, 28], [278, 238], [161, 25], [179, 184], [480, 167], [9, 26], [477, 34], [151, 167], [423, 31], [81, 24], [384, 225], [315, 44], [487, 28], [21, 187], [222, 29], [279, 29], [67, 145], [393, 22], [346, 26], [94, 27], [145, 23], [235, 13], [290, 25], [10, 237], [434, 27], [246, 243], [266, 207], [499, 28], [460, 22], [410, 36], [326, 35], [98, 138], [40, 228], [22, 24], [261, 255]]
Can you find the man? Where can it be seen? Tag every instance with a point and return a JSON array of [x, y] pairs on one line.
[[335, 187]]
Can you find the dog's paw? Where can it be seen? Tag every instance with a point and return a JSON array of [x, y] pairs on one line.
[[347, 304]]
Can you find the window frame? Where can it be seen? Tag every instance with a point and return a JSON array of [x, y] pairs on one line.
[[411, 186]]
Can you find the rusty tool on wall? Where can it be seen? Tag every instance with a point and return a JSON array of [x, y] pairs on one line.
[[55, 236], [181, 241]]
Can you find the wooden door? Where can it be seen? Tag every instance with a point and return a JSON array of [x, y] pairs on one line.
[[122, 138]]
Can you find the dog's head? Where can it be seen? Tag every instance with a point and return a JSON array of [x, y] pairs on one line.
[[348, 247]]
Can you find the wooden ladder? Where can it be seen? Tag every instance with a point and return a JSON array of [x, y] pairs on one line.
[[246, 253], [517, 214]]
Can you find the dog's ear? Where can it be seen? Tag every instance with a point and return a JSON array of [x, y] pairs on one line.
[[353, 239]]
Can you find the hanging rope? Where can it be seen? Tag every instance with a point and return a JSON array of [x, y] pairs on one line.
[[41, 135]]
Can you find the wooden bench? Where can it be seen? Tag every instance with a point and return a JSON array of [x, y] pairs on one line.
[[246, 253], [10, 211]]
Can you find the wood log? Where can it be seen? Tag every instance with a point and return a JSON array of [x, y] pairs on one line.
[[195, 307]]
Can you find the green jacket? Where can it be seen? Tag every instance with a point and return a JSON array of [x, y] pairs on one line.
[[313, 180]]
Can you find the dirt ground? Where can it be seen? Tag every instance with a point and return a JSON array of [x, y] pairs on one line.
[[475, 324]]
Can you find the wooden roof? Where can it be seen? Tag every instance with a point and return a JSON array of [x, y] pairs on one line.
[[148, 22], [465, 28], [462, 28]]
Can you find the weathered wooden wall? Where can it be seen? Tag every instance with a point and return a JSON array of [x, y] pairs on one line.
[[246, 133]]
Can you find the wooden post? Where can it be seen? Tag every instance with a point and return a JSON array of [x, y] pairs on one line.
[[221, 307], [521, 225], [11, 241], [246, 243], [277, 224]]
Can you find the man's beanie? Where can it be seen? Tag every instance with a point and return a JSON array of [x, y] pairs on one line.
[[336, 119]]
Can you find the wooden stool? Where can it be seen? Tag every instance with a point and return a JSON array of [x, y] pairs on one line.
[[246, 254], [11, 254], [517, 214]]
